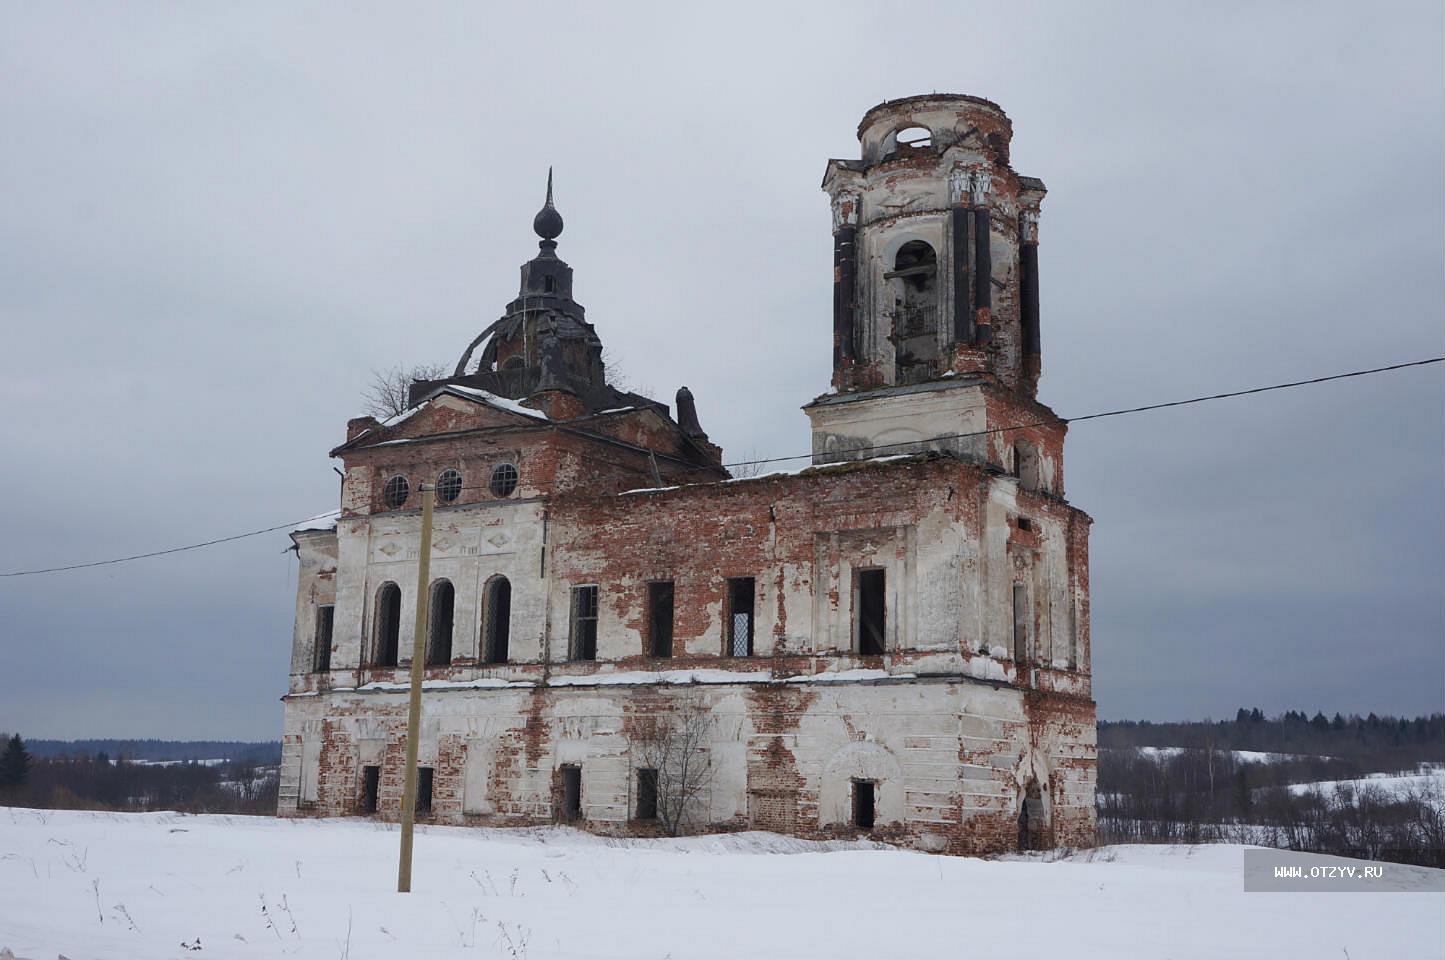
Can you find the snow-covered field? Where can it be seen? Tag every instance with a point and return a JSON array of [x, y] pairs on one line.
[[1428, 782], [91, 885], [1240, 756]]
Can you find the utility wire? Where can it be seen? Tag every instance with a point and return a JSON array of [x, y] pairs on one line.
[[744, 463], [1116, 413], [162, 553]]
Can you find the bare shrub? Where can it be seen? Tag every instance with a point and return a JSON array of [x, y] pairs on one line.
[[674, 744]]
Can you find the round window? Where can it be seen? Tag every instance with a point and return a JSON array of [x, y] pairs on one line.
[[449, 485], [504, 479], [395, 492]]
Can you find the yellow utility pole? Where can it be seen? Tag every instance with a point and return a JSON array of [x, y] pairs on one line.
[[413, 713]]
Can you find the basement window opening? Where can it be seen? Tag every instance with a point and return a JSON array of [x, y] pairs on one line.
[[571, 793], [741, 593], [424, 780], [864, 811], [582, 642], [1025, 523], [370, 788], [871, 604], [659, 618], [325, 620], [646, 794]]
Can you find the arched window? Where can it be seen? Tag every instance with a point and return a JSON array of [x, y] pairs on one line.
[[1026, 465], [913, 284], [914, 137], [439, 634], [387, 613], [497, 619]]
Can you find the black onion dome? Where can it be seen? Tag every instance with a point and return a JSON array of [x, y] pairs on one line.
[[548, 222]]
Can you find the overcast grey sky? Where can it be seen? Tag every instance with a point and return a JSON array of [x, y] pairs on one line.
[[217, 220]]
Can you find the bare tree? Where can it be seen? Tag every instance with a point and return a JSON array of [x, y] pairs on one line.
[[388, 393], [748, 467], [675, 745]]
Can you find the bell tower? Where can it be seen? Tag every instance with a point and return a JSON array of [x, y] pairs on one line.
[[935, 283]]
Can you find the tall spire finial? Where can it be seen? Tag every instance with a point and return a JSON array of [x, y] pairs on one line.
[[548, 222]]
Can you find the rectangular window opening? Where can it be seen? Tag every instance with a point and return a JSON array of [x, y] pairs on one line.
[[1021, 622], [871, 612], [646, 794], [739, 627], [370, 788], [571, 793], [863, 804], [325, 619], [659, 618], [423, 789], [1025, 523], [582, 644]]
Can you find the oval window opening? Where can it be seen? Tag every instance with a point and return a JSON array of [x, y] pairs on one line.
[[504, 479], [914, 137], [395, 492], [449, 485]]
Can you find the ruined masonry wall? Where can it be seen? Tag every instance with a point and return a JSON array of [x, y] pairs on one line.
[[951, 758]]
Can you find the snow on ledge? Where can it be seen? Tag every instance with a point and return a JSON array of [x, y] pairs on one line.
[[625, 677], [322, 521], [496, 401], [781, 472], [629, 678], [482, 683], [851, 676]]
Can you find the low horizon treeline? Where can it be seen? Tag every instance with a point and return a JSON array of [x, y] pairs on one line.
[[254, 751], [96, 782], [1373, 742]]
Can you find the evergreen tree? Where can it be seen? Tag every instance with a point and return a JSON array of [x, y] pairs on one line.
[[14, 763]]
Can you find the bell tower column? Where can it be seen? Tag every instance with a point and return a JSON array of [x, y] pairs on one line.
[[845, 279], [1029, 294]]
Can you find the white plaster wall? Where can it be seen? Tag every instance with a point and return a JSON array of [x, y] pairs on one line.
[[860, 428], [905, 736]]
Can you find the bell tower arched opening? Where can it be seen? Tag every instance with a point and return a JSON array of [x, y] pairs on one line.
[[913, 298]]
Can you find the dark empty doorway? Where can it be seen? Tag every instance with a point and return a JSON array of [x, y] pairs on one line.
[[571, 793], [646, 794], [370, 787], [863, 804]]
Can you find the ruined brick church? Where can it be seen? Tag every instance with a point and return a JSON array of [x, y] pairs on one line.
[[893, 639]]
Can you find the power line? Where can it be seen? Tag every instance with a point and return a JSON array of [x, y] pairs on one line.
[[162, 553], [1116, 413], [744, 463]]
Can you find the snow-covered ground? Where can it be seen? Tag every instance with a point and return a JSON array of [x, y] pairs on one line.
[[1428, 781], [166, 885], [1240, 756]]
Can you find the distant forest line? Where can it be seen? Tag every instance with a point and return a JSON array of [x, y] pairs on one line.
[[1373, 738], [1367, 743], [250, 751]]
